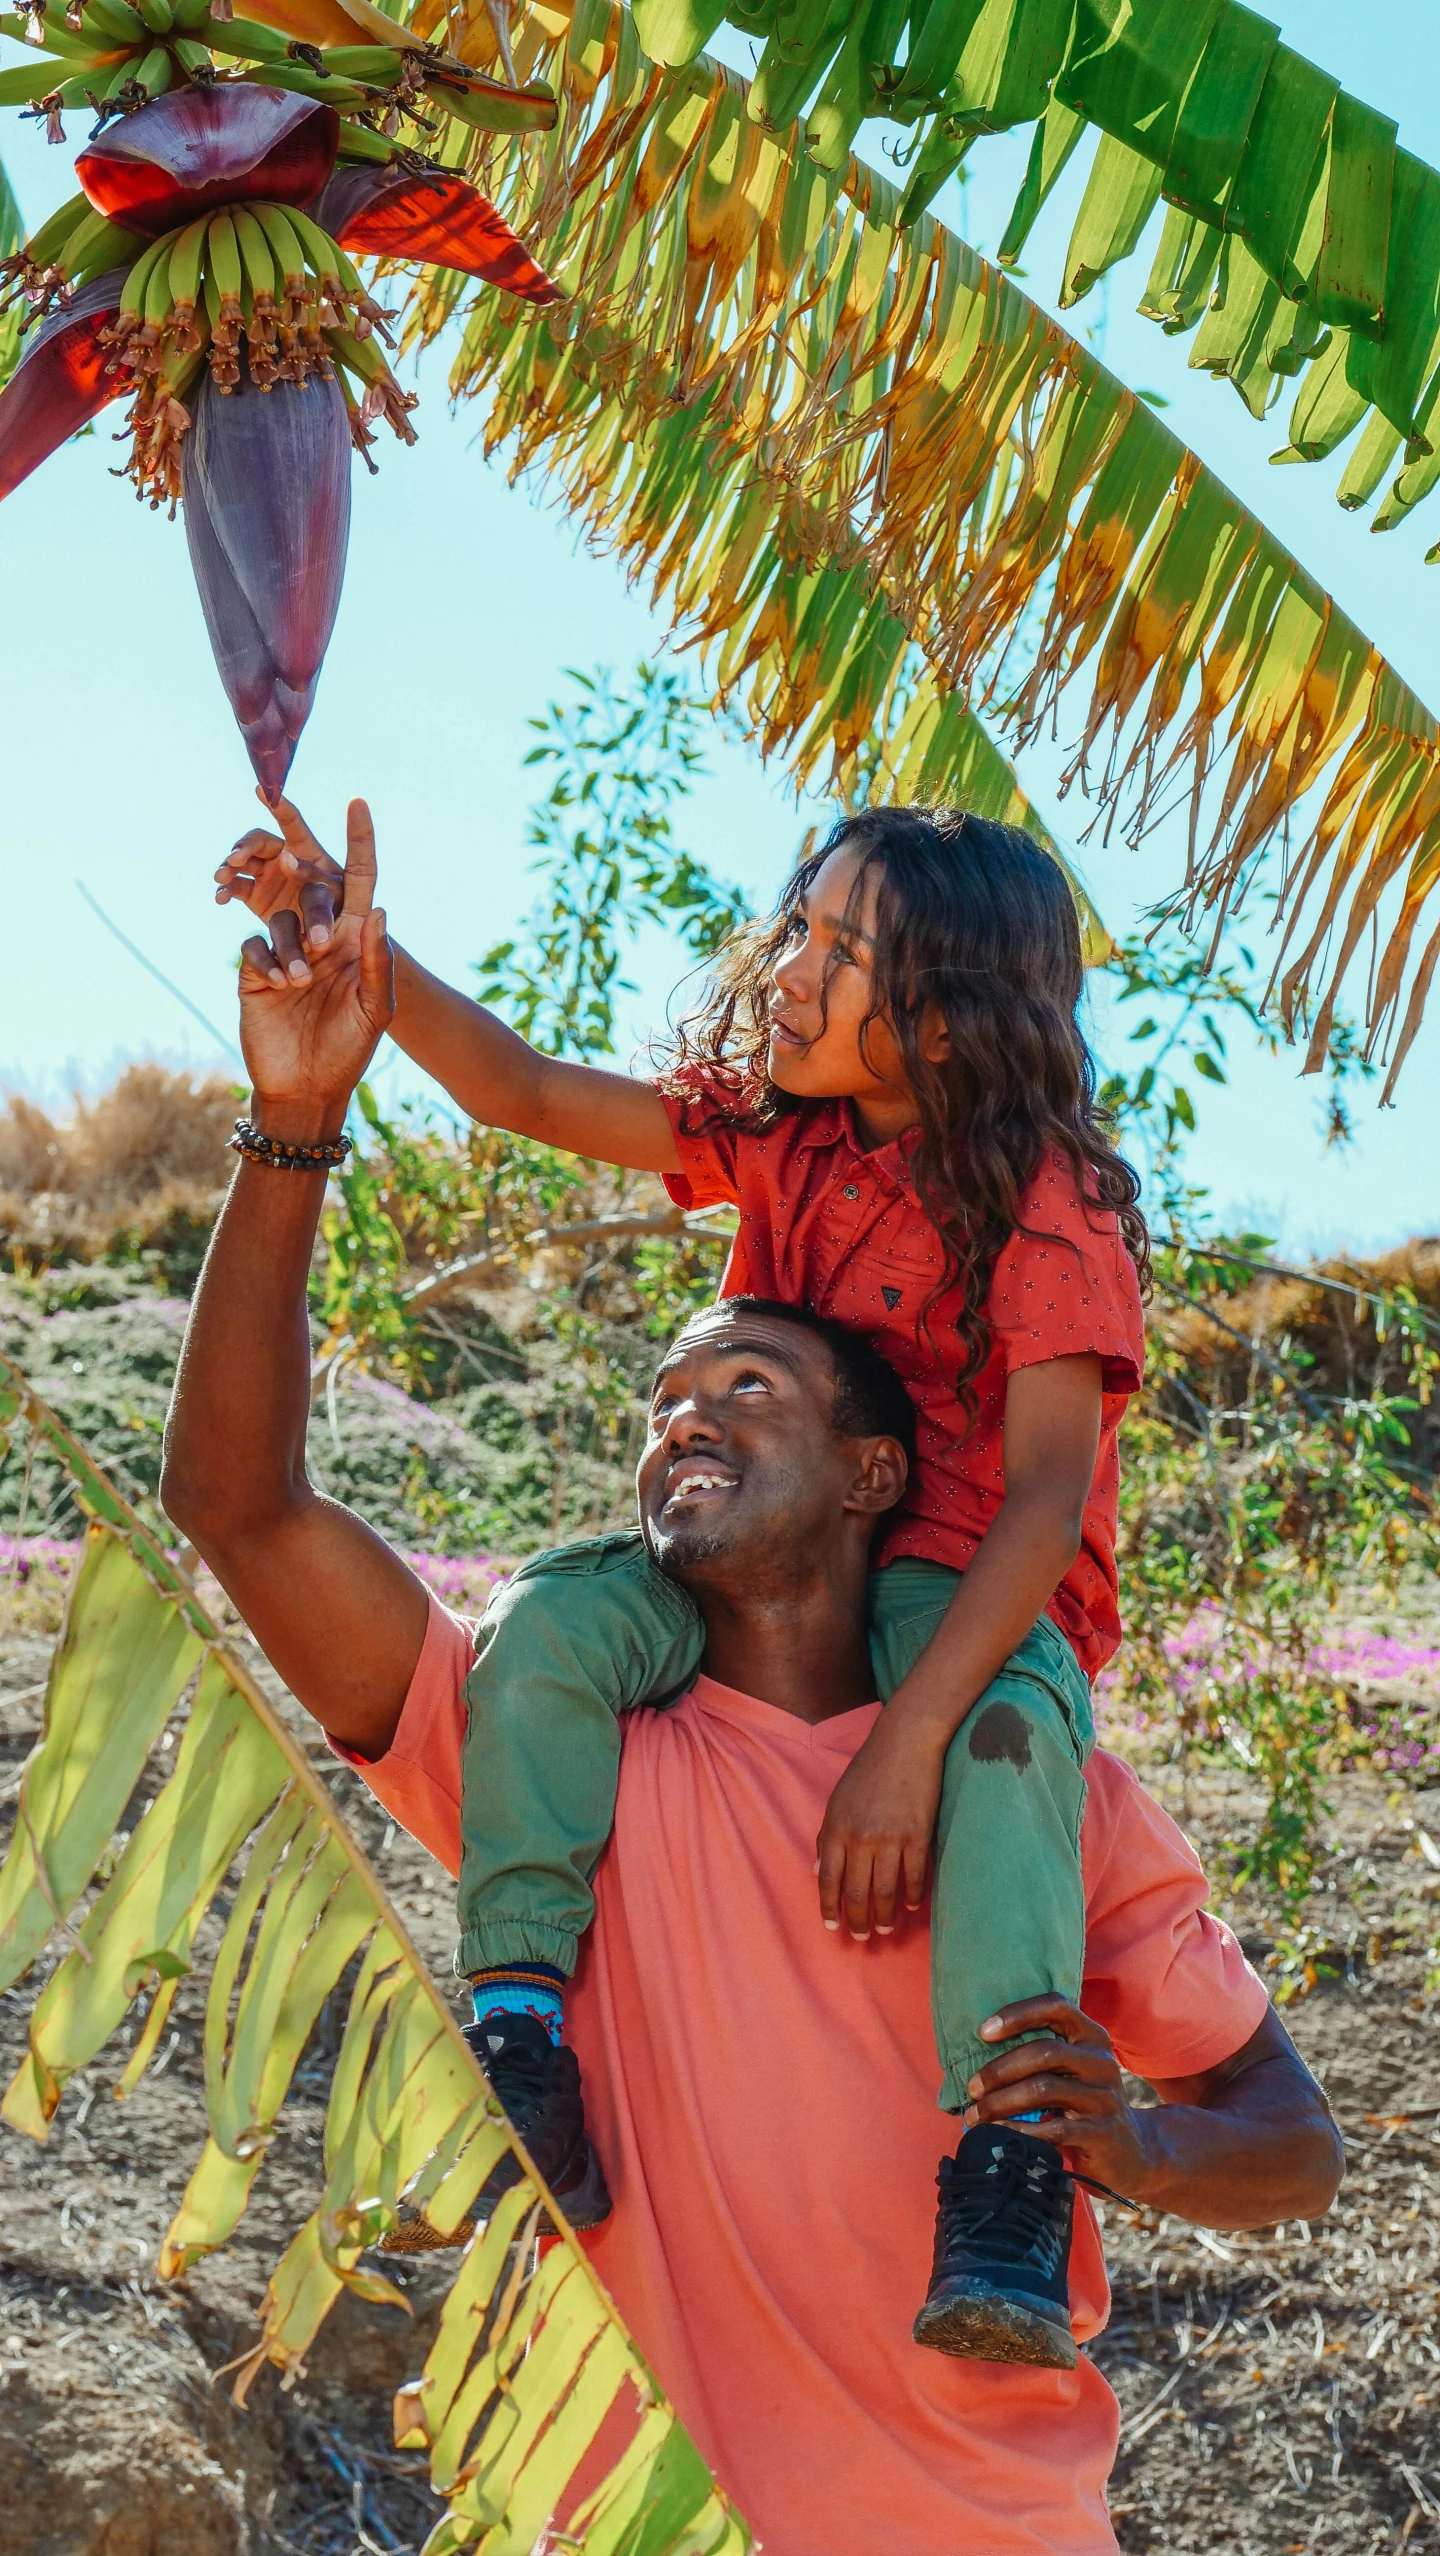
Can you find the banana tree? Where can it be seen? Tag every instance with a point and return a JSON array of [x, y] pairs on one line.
[[531, 2363], [883, 491], [1299, 238], [12, 232], [205, 273]]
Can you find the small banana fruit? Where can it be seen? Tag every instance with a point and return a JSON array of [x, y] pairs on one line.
[[155, 72], [289, 260], [185, 262], [244, 36], [130, 316], [357, 142], [222, 260], [344, 95], [115, 21], [258, 295], [379, 64], [42, 249]]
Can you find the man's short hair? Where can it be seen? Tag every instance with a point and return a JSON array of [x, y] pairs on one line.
[[870, 1400]]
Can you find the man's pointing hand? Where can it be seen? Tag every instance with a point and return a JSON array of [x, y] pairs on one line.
[[309, 1027], [289, 883]]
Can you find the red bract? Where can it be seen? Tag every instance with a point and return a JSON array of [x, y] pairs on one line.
[[437, 220], [266, 483], [60, 383], [228, 142]]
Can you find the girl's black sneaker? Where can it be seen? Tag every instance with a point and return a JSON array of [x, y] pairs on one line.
[[539, 2086], [1000, 2288]]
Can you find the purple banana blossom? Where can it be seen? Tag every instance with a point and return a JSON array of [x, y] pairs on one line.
[[436, 217], [266, 481], [228, 143], [60, 383]]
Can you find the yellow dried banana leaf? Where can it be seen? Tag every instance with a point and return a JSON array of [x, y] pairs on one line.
[[853, 461], [531, 2359], [123, 1663], [12, 235], [1232, 125]]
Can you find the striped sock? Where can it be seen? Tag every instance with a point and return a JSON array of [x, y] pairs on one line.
[[521, 1988]]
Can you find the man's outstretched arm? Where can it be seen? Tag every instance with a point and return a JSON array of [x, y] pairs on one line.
[[338, 1613], [1243, 2145]]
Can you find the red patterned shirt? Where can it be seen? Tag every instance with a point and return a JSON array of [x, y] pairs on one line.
[[824, 1223]]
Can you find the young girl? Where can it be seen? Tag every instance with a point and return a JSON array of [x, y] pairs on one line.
[[889, 1081]]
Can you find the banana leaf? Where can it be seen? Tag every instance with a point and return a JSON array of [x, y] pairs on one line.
[[531, 2360], [12, 233], [1235, 127], [883, 493]]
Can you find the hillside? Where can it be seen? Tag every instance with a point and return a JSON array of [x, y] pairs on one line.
[[1260, 2378], [1263, 2380]]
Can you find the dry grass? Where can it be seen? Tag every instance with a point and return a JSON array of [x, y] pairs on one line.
[[141, 1168], [1312, 1320]]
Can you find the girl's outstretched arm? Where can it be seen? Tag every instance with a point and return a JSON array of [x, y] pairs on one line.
[[874, 1848], [295, 890]]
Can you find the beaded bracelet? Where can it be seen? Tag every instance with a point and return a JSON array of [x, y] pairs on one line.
[[257, 1148]]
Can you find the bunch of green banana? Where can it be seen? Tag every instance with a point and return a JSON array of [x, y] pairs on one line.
[[71, 249], [264, 273], [99, 32], [102, 54], [158, 420]]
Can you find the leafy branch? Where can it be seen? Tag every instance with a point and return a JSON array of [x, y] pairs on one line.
[[607, 858]]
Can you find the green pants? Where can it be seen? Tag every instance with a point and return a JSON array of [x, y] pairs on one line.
[[583, 1634]]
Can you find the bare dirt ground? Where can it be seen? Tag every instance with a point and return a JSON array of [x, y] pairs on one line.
[[1278, 2391]]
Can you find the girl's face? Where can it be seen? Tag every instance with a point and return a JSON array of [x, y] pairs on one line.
[[823, 1045]]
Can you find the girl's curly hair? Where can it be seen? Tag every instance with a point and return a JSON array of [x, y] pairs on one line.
[[973, 917]]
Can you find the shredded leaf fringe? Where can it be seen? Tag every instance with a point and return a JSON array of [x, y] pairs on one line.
[[530, 2358], [882, 492]]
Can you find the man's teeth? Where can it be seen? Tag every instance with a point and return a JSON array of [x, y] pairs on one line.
[[702, 1482]]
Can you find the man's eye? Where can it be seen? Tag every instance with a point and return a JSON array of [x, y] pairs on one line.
[[754, 1383]]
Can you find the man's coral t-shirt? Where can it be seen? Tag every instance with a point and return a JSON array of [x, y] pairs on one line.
[[762, 2094], [824, 1223]]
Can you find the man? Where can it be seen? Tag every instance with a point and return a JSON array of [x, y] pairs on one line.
[[762, 2090]]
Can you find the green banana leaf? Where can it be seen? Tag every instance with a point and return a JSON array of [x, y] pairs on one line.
[[1195, 102], [12, 233], [840, 447], [411, 2125]]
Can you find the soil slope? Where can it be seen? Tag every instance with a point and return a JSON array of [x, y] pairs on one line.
[[1278, 2390]]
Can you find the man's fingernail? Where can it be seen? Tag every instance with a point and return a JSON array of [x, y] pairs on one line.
[[832, 1925], [319, 935], [974, 2087], [991, 2024], [288, 860], [299, 972], [884, 1930], [276, 976], [970, 2115], [860, 1935]]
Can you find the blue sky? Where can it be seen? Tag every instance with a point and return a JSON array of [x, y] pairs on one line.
[[464, 602]]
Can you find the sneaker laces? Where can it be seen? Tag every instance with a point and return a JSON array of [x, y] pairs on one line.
[[1014, 2199], [519, 2074]]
